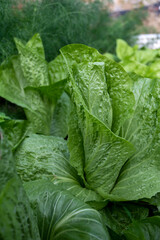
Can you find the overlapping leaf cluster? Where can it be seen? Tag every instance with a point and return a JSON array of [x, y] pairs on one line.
[[103, 182], [144, 62]]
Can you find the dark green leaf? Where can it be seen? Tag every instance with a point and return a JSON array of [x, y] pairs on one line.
[[17, 220], [62, 216]]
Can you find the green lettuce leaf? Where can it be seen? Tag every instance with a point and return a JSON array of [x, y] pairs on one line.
[[47, 157], [143, 62], [59, 125], [42, 156], [16, 131], [154, 71], [24, 81], [12, 82], [124, 51], [57, 69], [107, 163], [141, 172], [96, 153], [33, 64], [127, 53], [62, 216], [118, 81], [136, 67], [119, 216], [17, 220], [147, 229]]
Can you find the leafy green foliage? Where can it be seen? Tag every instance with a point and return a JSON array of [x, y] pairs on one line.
[[17, 220], [48, 158], [92, 171], [62, 216], [25, 82], [144, 62], [125, 213], [146, 229]]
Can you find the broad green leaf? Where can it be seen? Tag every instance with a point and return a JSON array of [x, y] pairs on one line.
[[127, 53], [118, 81], [57, 69], [141, 127], [75, 144], [136, 67], [47, 157], [91, 82], [120, 91], [151, 71], [59, 125], [102, 159], [35, 43], [81, 192], [53, 91], [124, 51], [118, 216], [62, 216], [96, 153], [110, 56], [17, 220], [44, 157], [145, 56], [42, 101], [15, 130], [142, 62], [11, 86], [38, 101], [154, 69], [34, 66], [140, 176], [148, 229], [40, 111]]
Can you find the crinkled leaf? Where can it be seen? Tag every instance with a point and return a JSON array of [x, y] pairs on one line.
[[11, 86], [47, 157], [44, 157], [118, 81], [62, 216], [17, 220], [34, 66], [97, 154], [140, 177], [91, 82], [120, 91], [35, 94]]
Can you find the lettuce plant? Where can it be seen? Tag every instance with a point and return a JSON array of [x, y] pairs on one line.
[[144, 62], [102, 182]]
